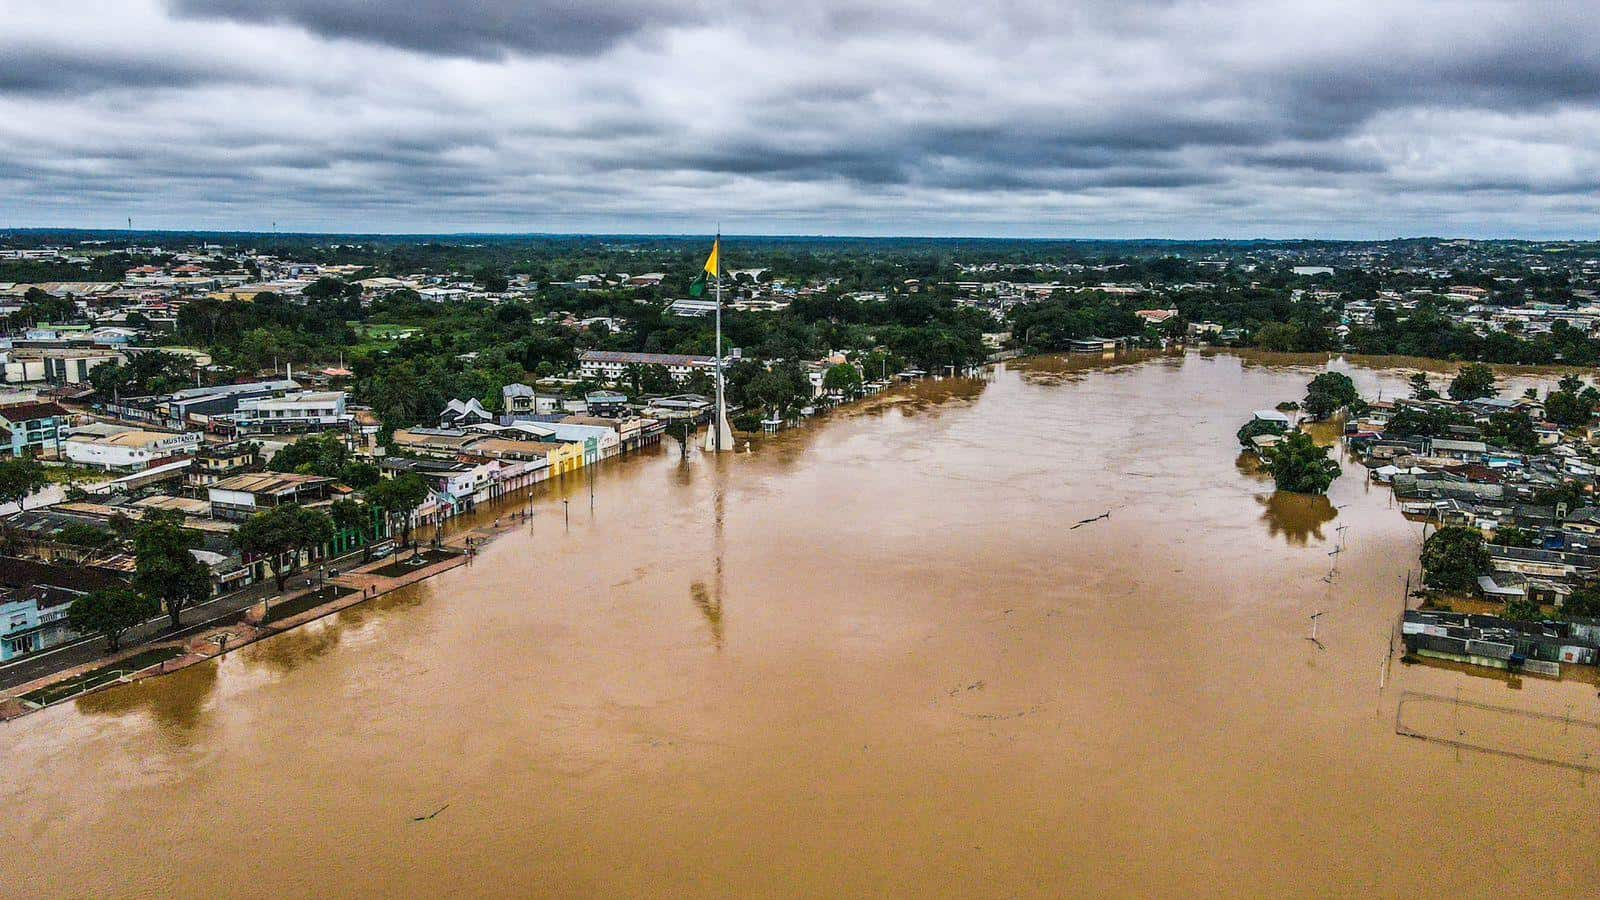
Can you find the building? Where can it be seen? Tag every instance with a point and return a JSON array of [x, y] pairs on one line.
[[296, 411], [607, 365], [691, 308], [130, 449], [218, 461], [1443, 448], [518, 398], [605, 403], [1094, 345], [25, 365], [1537, 647], [197, 407], [520, 401], [241, 496], [33, 427], [34, 599], [461, 413]]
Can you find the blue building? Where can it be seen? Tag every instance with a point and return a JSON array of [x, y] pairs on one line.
[[32, 428], [34, 598], [33, 619]]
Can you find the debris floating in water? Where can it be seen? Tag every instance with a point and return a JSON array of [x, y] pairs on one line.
[[1083, 522], [430, 815]]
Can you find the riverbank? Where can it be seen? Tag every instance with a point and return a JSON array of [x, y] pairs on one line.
[[258, 620], [255, 613]]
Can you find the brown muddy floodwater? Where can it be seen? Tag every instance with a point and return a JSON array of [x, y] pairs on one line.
[[868, 657]]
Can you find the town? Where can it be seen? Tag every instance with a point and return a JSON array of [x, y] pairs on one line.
[[1511, 568], [203, 429]]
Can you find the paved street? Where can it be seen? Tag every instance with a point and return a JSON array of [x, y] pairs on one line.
[[217, 611]]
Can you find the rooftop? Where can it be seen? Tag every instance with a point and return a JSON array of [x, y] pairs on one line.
[[268, 482]]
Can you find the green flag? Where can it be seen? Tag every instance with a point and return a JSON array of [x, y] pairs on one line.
[[697, 287]]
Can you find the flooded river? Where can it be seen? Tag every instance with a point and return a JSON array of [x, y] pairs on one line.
[[872, 656]]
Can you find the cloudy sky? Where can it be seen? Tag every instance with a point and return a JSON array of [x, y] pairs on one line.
[[1096, 118]]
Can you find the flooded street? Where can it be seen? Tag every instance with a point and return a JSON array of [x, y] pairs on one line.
[[872, 656]]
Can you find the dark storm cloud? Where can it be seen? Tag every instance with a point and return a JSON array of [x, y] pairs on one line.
[[1177, 117], [53, 70], [474, 28]]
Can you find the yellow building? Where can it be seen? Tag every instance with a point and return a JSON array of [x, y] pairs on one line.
[[565, 458]]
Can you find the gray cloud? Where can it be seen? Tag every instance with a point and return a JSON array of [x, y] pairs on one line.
[[1177, 117], [480, 28], [54, 70]]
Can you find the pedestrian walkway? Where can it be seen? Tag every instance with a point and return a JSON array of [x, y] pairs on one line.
[[229, 622]]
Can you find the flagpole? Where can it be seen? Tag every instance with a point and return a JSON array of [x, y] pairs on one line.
[[721, 412]]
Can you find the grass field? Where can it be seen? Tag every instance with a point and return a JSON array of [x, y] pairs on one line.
[[374, 337], [302, 603]]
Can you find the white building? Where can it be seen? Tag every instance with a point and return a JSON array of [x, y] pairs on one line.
[[115, 447], [613, 366], [297, 411], [29, 365]]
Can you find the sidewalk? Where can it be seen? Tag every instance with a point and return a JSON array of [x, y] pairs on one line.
[[238, 619], [92, 648]]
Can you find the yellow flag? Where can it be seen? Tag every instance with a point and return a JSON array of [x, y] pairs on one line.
[[711, 261]]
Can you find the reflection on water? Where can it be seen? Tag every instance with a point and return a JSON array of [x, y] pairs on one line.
[[1249, 465], [1325, 433], [174, 702], [710, 607], [1073, 367], [1298, 517], [285, 652]]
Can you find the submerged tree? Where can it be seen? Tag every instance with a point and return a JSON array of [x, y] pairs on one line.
[[1328, 393], [1475, 380], [1421, 389], [1257, 427], [1298, 464]]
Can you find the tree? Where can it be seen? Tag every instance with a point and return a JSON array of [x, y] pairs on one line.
[[844, 378], [20, 477], [1420, 389], [1412, 421], [353, 515], [1512, 536], [1331, 390], [1521, 609], [1583, 602], [1299, 465], [1281, 337], [1474, 380], [1319, 405], [397, 498], [1569, 408], [1257, 427], [1512, 429], [285, 530], [1453, 557], [164, 567], [110, 612]]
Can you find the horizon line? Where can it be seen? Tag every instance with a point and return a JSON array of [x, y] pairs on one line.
[[687, 235]]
